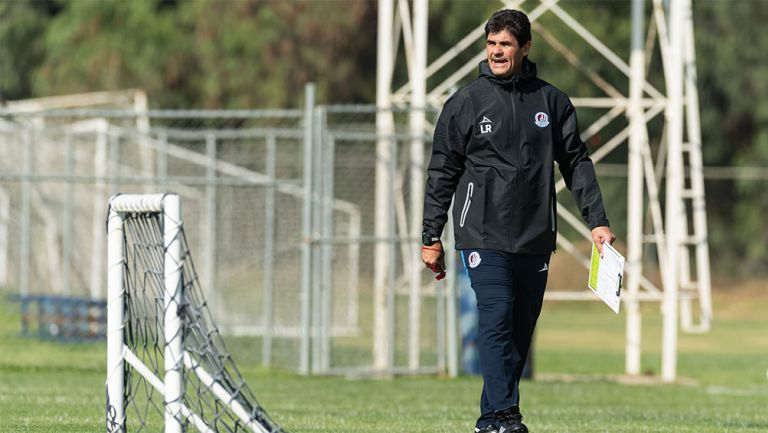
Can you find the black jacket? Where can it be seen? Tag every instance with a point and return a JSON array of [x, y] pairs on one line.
[[494, 146]]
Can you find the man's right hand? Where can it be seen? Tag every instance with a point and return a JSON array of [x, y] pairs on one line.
[[433, 257]]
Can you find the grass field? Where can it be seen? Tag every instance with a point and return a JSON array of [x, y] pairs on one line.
[[52, 387]]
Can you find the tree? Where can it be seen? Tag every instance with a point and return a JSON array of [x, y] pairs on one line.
[[201, 54], [22, 47], [732, 71]]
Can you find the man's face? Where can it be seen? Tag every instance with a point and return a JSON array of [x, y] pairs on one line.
[[505, 56]]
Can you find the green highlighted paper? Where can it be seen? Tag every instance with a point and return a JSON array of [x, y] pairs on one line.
[[593, 267], [606, 274]]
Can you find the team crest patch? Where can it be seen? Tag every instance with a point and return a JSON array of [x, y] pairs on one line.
[[541, 119], [474, 259]]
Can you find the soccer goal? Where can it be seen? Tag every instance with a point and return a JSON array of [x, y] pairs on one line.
[[167, 366]]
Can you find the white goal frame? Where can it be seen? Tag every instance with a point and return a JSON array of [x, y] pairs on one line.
[[175, 359]]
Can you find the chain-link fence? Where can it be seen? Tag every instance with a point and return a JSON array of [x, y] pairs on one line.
[[288, 274]]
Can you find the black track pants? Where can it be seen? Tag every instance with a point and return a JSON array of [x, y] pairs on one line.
[[509, 289]]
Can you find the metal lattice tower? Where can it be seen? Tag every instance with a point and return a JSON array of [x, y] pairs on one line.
[[679, 234]]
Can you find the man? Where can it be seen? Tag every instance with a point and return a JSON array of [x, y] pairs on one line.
[[494, 148]]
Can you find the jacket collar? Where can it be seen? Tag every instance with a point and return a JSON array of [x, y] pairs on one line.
[[526, 72]]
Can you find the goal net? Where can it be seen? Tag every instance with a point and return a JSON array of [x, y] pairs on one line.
[[168, 367]]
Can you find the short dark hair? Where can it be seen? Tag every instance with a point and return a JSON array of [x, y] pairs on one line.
[[511, 20]]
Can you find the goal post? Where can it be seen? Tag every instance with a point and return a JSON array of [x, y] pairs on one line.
[[167, 365]]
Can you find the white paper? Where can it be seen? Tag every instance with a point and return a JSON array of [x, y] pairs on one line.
[[606, 274]]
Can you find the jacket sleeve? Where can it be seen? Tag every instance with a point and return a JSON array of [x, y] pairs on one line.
[[446, 165], [577, 169]]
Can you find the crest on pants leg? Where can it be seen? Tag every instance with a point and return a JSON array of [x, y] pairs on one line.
[[474, 259]]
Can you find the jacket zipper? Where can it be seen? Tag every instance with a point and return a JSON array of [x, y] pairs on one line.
[[516, 147], [552, 213], [515, 143], [467, 203]]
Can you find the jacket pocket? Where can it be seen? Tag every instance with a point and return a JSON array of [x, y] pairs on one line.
[[467, 204]]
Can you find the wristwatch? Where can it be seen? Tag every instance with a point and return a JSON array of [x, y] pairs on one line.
[[429, 239]]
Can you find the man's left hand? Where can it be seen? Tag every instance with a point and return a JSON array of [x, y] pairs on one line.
[[602, 234]]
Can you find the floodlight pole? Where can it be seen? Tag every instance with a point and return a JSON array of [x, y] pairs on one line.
[[417, 118], [700, 241], [385, 128], [637, 140], [674, 209]]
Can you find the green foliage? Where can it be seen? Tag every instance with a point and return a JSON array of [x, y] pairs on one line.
[[261, 53], [732, 72], [110, 45], [22, 25], [210, 54]]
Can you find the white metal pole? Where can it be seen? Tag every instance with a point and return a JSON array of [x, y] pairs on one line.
[[417, 116], [140, 106], [268, 288], [326, 290], [392, 250], [99, 195], [697, 177], [162, 161], [115, 170], [451, 331], [306, 229], [211, 294], [115, 416], [174, 365], [353, 257], [26, 213], [67, 235], [5, 218], [384, 129], [635, 213], [442, 291], [674, 208], [317, 246]]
